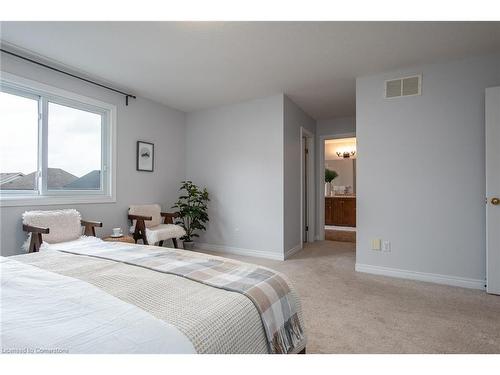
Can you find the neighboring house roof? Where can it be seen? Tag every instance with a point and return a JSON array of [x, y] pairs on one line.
[[57, 178], [6, 177], [91, 180]]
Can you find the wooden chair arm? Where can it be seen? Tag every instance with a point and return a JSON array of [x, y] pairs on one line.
[[169, 217], [169, 214], [90, 227], [33, 229], [90, 223], [36, 236], [139, 217]]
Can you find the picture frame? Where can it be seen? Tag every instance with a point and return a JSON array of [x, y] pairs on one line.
[[145, 156]]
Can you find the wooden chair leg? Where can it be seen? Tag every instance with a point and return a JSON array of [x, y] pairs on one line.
[[89, 231], [136, 235], [140, 235], [174, 240], [140, 232], [35, 242]]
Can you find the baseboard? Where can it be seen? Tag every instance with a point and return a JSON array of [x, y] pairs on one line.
[[345, 229], [239, 251], [422, 276], [293, 250]]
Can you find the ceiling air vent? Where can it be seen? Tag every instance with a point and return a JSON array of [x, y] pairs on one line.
[[406, 86]]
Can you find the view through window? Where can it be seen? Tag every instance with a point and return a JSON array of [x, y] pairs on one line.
[[18, 142], [57, 152], [74, 149]]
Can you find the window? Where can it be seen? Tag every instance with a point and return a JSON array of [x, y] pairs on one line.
[[74, 149], [55, 146], [18, 142]]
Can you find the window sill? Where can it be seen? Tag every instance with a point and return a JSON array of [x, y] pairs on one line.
[[27, 200]]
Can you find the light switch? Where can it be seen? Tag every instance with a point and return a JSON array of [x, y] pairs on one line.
[[386, 246], [376, 244]]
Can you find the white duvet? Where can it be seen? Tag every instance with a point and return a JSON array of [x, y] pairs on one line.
[[44, 312]]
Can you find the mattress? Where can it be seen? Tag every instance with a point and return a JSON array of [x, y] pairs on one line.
[[213, 320]]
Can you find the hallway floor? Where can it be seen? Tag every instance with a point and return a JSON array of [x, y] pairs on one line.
[[340, 235], [351, 312]]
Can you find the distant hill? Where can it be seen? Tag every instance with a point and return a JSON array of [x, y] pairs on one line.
[[57, 179]]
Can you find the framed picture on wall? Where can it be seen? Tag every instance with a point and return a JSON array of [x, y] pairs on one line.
[[145, 156]]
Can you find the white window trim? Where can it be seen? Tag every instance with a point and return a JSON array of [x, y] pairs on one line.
[[109, 149]]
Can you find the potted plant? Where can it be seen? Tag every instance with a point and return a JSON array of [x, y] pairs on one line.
[[192, 209], [329, 177]]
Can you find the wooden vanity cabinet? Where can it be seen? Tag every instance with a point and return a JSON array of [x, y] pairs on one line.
[[340, 211]]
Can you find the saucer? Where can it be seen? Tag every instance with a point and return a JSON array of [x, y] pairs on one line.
[[117, 235]]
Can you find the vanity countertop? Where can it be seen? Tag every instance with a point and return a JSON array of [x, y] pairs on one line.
[[341, 196]]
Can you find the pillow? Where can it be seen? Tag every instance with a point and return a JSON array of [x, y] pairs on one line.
[[153, 210], [64, 225]]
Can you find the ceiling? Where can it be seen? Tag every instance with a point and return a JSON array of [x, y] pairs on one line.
[[196, 65]]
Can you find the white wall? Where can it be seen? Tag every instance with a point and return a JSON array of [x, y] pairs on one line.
[[141, 120], [294, 119], [236, 151], [346, 172], [336, 126], [420, 171]]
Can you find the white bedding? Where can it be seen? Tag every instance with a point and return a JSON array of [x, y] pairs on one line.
[[44, 312]]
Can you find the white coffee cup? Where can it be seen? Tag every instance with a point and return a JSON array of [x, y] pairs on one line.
[[117, 231]]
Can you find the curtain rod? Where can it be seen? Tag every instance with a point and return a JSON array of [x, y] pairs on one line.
[[70, 74]]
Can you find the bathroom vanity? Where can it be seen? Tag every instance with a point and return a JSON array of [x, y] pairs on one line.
[[340, 210]]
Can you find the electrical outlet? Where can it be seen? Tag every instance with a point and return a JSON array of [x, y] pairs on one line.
[[376, 244], [386, 246]]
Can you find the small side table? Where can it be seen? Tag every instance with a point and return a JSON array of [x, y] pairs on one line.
[[125, 238]]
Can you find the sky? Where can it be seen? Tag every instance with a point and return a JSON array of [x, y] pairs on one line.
[[74, 142]]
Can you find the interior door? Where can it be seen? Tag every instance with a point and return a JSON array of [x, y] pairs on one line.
[[492, 118]]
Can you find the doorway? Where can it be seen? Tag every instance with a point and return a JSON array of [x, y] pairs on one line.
[[337, 181]]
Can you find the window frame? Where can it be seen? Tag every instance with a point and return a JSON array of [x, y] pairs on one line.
[[48, 94]]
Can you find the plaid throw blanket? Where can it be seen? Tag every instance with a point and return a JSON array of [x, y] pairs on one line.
[[267, 289]]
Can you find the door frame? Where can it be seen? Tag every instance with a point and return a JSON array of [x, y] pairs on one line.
[[321, 179], [311, 217]]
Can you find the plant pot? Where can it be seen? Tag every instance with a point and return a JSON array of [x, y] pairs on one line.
[[188, 245]]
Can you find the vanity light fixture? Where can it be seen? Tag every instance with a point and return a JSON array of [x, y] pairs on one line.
[[346, 154]]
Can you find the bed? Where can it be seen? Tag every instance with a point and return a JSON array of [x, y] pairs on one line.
[[91, 296]]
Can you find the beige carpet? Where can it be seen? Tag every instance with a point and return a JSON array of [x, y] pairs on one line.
[[352, 312]]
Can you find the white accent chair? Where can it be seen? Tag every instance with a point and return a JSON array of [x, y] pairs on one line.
[[57, 226], [152, 226]]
